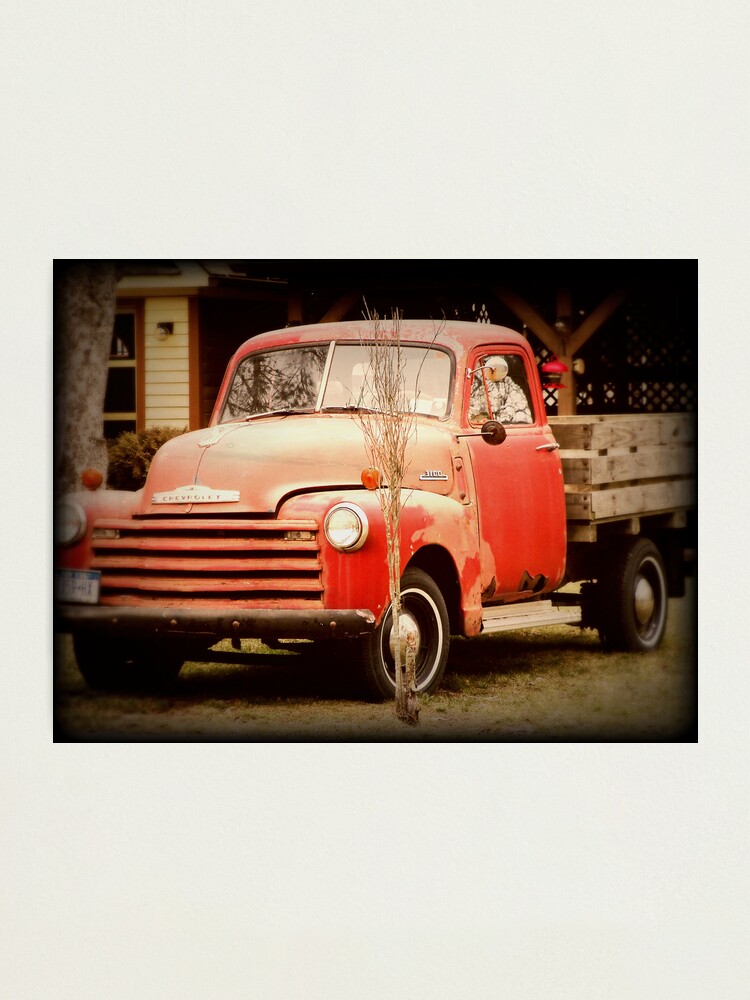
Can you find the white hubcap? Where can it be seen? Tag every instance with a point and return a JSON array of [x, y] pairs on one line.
[[644, 600], [409, 629]]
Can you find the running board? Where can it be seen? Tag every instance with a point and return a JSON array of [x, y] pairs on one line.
[[512, 616]]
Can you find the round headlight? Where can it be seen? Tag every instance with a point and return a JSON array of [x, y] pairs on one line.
[[70, 523], [346, 527]]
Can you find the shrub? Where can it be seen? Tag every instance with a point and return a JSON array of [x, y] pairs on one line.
[[130, 455]]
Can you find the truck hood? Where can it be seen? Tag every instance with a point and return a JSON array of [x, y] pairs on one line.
[[252, 467]]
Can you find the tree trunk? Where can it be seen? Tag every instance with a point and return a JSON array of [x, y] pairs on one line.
[[407, 700], [84, 320]]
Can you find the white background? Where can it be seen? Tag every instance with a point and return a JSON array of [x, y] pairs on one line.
[[416, 130]]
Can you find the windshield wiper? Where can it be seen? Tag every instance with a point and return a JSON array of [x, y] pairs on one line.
[[350, 408], [290, 411]]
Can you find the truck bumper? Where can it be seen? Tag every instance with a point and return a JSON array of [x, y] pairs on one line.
[[193, 623]]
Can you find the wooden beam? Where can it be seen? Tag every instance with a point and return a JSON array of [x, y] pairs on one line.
[[341, 307], [646, 463], [566, 394], [629, 501], [562, 340], [294, 306], [564, 322], [596, 319], [604, 432], [531, 318]]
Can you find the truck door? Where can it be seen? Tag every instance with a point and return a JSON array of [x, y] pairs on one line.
[[518, 485]]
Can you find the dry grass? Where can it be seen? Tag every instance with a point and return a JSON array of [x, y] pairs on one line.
[[541, 684]]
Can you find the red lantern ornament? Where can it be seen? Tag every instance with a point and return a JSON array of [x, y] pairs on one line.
[[553, 372]]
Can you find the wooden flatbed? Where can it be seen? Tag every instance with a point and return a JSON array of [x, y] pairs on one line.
[[624, 467]]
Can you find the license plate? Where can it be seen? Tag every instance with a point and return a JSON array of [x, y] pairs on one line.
[[78, 586]]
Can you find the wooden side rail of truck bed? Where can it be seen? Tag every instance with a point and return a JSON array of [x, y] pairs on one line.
[[621, 467]]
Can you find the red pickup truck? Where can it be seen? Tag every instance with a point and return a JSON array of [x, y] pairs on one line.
[[260, 525]]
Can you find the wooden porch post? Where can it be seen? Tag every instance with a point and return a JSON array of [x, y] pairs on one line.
[[566, 394], [563, 340]]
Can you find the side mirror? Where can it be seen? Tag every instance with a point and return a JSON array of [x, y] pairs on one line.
[[493, 432]]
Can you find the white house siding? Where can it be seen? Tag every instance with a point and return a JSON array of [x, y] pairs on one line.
[[167, 388]]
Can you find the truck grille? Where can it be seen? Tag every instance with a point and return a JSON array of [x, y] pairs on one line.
[[206, 563]]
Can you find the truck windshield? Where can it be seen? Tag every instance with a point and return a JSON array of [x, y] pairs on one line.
[[277, 380], [333, 377]]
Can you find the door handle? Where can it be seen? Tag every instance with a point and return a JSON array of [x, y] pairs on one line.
[[548, 447]]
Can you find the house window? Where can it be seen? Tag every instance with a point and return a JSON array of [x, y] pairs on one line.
[[120, 399]]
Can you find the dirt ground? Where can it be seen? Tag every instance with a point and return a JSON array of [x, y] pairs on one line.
[[534, 685]]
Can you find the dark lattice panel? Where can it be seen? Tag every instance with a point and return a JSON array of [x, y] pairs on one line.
[[652, 344], [587, 395], [657, 397], [642, 361], [466, 310]]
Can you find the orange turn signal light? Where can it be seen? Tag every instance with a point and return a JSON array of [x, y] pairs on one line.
[[370, 478], [92, 479]]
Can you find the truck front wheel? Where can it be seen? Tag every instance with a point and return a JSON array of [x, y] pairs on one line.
[[126, 664], [633, 597], [427, 617]]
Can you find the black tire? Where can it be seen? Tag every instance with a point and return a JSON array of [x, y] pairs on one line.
[[424, 603], [633, 596], [126, 664]]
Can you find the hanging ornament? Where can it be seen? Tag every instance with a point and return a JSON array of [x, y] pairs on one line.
[[552, 372]]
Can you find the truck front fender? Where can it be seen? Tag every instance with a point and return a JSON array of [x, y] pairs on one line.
[[95, 505], [429, 522]]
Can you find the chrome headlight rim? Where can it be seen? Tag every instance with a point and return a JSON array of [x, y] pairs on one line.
[[358, 533], [70, 523]]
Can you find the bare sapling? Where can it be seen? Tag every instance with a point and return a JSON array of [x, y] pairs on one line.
[[388, 423]]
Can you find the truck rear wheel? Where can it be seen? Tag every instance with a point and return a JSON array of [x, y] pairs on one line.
[[126, 664], [426, 615], [633, 597]]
